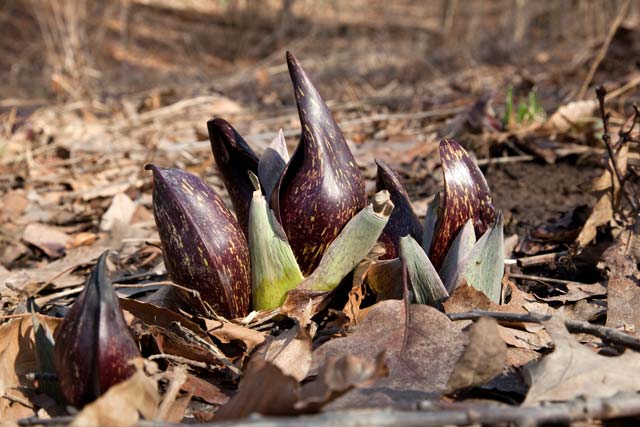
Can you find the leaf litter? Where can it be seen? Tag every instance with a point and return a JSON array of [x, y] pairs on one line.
[[360, 345]]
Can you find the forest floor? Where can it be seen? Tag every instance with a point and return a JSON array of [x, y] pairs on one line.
[[73, 184]]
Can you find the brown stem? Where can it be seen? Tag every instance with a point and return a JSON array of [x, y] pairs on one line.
[[611, 335], [601, 93]]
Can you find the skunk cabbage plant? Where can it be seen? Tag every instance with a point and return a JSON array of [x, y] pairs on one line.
[[455, 217], [466, 196], [303, 221], [93, 346], [404, 221]]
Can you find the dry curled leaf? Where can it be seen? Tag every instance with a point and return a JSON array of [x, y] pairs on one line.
[[49, 240], [17, 358], [484, 356], [290, 351], [572, 115]]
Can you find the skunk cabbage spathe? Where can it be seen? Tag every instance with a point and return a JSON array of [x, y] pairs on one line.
[[321, 188], [93, 345], [234, 159], [466, 196], [203, 246], [403, 220]]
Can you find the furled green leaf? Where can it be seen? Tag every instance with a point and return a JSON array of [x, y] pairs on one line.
[[458, 251], [483, 267], [350, 247], [423, 278], [274, 270]]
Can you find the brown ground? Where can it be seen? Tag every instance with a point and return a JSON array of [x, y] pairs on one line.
[[92, 93]]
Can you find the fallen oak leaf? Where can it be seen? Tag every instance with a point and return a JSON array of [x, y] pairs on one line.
[[417, 371], [204, 390], [573, 370], [121, 210], [49, 240], [339, 376], [228, 332], [303, 304], [576, 291], [158, 322], [529, 336], [572, 115]]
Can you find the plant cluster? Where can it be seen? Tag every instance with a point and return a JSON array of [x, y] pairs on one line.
[[301, 223]]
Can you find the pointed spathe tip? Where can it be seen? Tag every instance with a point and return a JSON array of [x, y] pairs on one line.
[[151, 167], [292, 62], [221, 130], [302, 85]]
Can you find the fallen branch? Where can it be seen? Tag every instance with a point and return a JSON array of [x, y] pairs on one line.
[[611, 335], [623, 405]]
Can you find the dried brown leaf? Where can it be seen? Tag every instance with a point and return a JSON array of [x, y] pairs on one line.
[[50, 240], [204, 390], [569, 115], [382, 277], [290, 351], [573, 370], [265, 389], [419, 364], [228, 332], [484, 356], [17, 356], [121, 210]]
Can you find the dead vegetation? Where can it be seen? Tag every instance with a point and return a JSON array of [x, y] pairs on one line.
[[92, 91]]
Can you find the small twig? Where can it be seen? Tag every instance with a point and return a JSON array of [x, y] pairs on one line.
[[185, 361], [215, 351], [611, 335], [49, 422], [47, 376], [618, 406], [531, 261], [546, 279], [601, 93]]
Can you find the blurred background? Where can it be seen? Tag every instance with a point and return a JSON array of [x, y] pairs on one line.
[[92, 90], [94, 49]]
